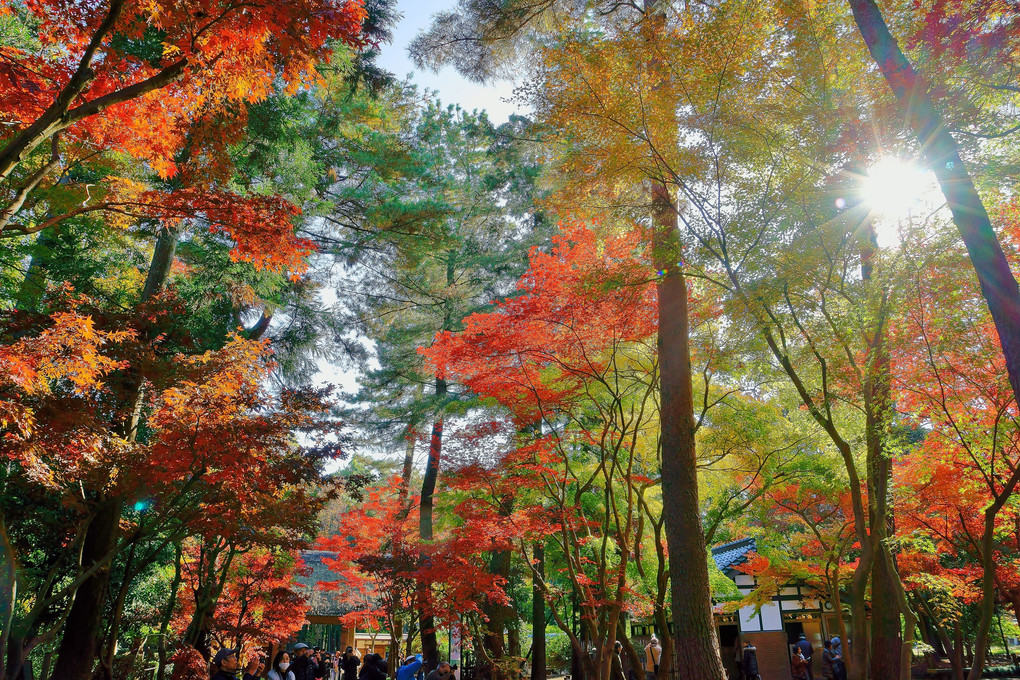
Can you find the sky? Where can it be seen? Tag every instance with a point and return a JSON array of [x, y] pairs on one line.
[[451, 86]]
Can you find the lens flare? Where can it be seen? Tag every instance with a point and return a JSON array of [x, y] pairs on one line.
[[892, 189]]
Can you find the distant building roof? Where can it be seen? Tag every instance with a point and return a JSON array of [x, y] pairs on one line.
[[321, 602], [730, 555]]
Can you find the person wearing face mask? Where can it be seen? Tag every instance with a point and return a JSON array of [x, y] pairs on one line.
[[281, 667]]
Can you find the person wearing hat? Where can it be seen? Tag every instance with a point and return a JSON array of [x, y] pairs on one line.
[[226, 663], [409, 669], [303, 665], [807, 651]]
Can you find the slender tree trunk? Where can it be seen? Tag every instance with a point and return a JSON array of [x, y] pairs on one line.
[[538, 666], [942, 155], [405, 473], [168, 612], [78, 646], [886, 643], [694, 631], [77, 651], [110, 653], [956, 661], [15, 660], [8, 587], [495, 613], [429, 643]]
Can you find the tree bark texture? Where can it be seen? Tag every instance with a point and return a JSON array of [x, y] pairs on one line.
[[694, 631], [429, 643], [886, 642], [78, 646], [77, 652]]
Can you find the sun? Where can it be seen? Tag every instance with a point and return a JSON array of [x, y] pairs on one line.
[[894, 190]]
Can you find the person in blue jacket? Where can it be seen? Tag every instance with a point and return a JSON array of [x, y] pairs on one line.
[[410, 668]]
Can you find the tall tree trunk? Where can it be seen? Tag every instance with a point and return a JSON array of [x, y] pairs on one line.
[[429, 643], [538, 667], [886, 643], [78, 646], [109, 654], [77, 651], [15, 659], [8, 587], [497, 616], [694, 631], [942, 155]]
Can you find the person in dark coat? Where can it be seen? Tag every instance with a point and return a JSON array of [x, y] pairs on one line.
[[442, 672], [373, 668], [349, 663], [749, 665], [827, 658], [617, 671], [807, 651], [302, 664], [226, 664]]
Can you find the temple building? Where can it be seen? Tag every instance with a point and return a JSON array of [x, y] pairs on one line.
[[773, 628], [326, 608]]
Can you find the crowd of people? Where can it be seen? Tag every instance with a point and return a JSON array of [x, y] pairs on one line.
[[746, 658], [801, 667], [306, 663]]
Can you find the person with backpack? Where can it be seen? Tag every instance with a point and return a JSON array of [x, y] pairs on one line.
[[653, 655]]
